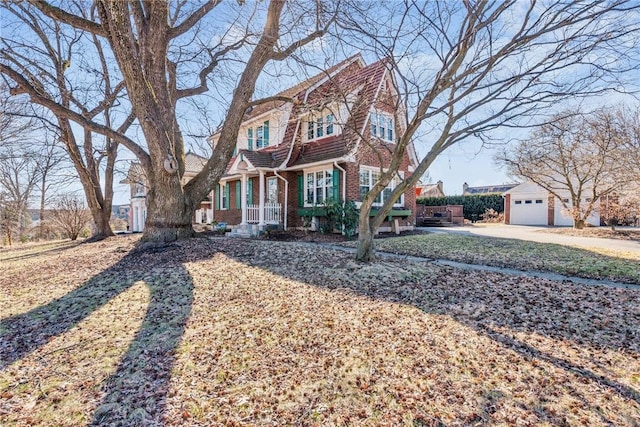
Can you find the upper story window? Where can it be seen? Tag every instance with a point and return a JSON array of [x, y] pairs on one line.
[[381, 125], [320, 125], [139, 189], [368, 178], [258, 136]]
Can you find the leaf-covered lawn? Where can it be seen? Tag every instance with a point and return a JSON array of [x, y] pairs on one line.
[[233, 332], [595, 263]]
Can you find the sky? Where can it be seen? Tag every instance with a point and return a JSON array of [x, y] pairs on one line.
[[464, 164], [461, 163]]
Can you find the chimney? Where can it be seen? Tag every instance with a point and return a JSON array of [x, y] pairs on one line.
[[440, 186], [465, 187]]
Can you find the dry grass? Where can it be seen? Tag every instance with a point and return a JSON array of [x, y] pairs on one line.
[[596, 263], [603, 232], [231, 332]]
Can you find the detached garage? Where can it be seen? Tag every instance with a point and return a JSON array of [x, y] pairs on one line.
[[526, 204], [530, 204]]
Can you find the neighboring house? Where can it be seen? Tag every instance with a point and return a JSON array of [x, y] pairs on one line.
[[487, 189], [137, 209], [328, 142], [530, 204], [430, 190]]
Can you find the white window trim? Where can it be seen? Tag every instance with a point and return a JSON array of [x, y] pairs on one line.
[[271, 179], [337, 129], [221, 195], [327, 168], [398, 204], [254, 124], [377, 113]]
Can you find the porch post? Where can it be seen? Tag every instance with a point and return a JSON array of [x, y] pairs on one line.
[[243, 198], [261, 199]]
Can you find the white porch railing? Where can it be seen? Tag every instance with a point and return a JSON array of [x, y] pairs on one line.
[[272, 213]]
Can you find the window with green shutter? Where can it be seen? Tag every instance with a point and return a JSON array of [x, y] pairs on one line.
[[238, 194], [300, 191], [336, 184], [266, 134], [225, 197]]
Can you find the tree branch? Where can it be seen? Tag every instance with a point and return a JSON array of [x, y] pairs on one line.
[[68, 18], [204, 73], [61, 111], [193, 19]]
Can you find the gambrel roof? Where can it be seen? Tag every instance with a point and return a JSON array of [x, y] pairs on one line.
[[350, 80]]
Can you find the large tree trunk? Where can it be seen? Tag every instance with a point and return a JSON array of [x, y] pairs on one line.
[[101, 221], [365, 251], [366, 230], [169, 210]]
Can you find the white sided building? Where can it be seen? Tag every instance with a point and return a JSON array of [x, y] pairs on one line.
[[530, 204]]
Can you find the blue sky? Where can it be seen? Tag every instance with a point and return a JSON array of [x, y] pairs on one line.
[[464, 162]]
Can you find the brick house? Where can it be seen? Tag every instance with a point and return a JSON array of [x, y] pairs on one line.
[[328, 141]]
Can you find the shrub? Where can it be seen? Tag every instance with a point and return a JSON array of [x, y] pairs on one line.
[[474, 206], [491, 216]]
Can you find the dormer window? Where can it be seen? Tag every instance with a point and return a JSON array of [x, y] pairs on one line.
[[261, 134], [381, 126], [319, 126]]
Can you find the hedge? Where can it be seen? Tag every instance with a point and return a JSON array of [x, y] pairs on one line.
[[474, 205]]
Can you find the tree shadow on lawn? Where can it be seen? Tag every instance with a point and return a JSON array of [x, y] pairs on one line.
[[592, 317], [57, 247], [142, 377]]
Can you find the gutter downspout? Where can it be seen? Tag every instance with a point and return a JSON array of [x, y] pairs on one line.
[[286, 198]]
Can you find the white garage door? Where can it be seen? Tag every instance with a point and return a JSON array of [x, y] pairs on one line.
[[529, 211]]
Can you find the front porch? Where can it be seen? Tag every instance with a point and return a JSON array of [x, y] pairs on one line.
[[259, 218], [247, 218]]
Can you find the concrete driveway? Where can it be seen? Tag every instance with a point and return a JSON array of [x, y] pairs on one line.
[[537, 234]]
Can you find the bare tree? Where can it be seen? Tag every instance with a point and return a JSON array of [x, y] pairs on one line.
[[69, 68], [19, 175], [70, 215], [156, 47], [622, 207], [15, 122], [465, 69], [580, 159]]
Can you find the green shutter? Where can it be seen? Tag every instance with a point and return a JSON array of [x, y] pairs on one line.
[[235, 151], [336, 184], [250, 139], [226, 195], [250, 191], [301, 191], [266, 134], [217, 196], [238, 195]]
